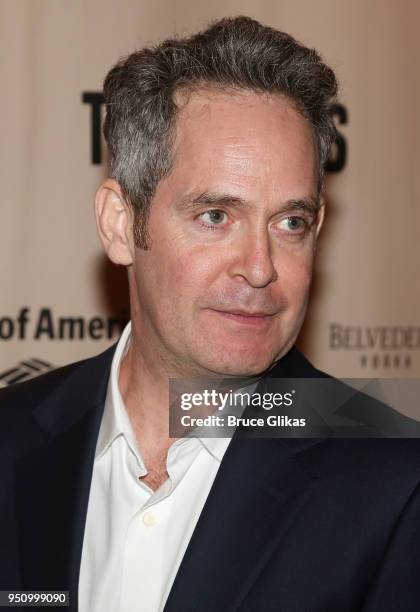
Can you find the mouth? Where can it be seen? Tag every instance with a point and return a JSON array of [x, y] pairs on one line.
[[243, 317]]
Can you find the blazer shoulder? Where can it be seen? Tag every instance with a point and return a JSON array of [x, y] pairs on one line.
[[295, 365], [21, 398], [29, 393], [347, 410]]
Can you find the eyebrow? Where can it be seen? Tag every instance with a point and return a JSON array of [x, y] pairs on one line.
[[212, 198]]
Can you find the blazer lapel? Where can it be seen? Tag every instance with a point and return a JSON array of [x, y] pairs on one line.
[[53, 480], [254, 501]]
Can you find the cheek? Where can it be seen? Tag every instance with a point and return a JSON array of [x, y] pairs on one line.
[[183, 271], [294, 276], [191, 270]]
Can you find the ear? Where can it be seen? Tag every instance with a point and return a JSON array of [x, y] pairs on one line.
[[114, 220]]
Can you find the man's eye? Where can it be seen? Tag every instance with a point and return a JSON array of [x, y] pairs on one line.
[[213, 217], [293, 224]]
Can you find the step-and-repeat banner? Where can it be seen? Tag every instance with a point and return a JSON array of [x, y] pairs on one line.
[[60, 300]]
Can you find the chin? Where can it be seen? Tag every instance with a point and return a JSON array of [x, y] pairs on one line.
[[239, 365]]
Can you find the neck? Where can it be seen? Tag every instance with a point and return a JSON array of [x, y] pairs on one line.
[[146, 396]]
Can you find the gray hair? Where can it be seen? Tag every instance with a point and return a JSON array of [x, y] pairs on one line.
[[232, 53]]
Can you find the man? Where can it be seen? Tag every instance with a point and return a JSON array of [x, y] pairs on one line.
[[218, 145]]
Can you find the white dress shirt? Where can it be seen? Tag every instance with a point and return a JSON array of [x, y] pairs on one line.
[[135, 537]]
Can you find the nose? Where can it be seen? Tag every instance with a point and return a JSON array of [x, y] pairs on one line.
[[252, 259]]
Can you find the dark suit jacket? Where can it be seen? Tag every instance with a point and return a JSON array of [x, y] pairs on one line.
[[290, 525]]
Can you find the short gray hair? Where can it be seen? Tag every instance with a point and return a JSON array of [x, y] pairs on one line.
[[232, 53]]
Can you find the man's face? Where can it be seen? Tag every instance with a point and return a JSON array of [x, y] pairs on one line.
[[223, 288]]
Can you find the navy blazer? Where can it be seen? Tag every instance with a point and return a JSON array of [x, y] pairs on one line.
[[290, 525]]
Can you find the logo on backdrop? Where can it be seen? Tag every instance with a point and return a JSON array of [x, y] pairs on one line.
[[24, 370], [379, 346], [95, 100], [45, 324]]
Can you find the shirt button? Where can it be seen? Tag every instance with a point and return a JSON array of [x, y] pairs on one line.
[[149, 519]]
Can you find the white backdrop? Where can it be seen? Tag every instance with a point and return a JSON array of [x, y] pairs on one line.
[[364, 317]]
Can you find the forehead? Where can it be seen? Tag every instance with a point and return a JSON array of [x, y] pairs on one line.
[[243, 137]]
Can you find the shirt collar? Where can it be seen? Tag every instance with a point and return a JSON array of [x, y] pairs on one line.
[[115, 420]]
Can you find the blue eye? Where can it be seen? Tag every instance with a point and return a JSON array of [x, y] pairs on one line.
[[213, 217], [293, 224]]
